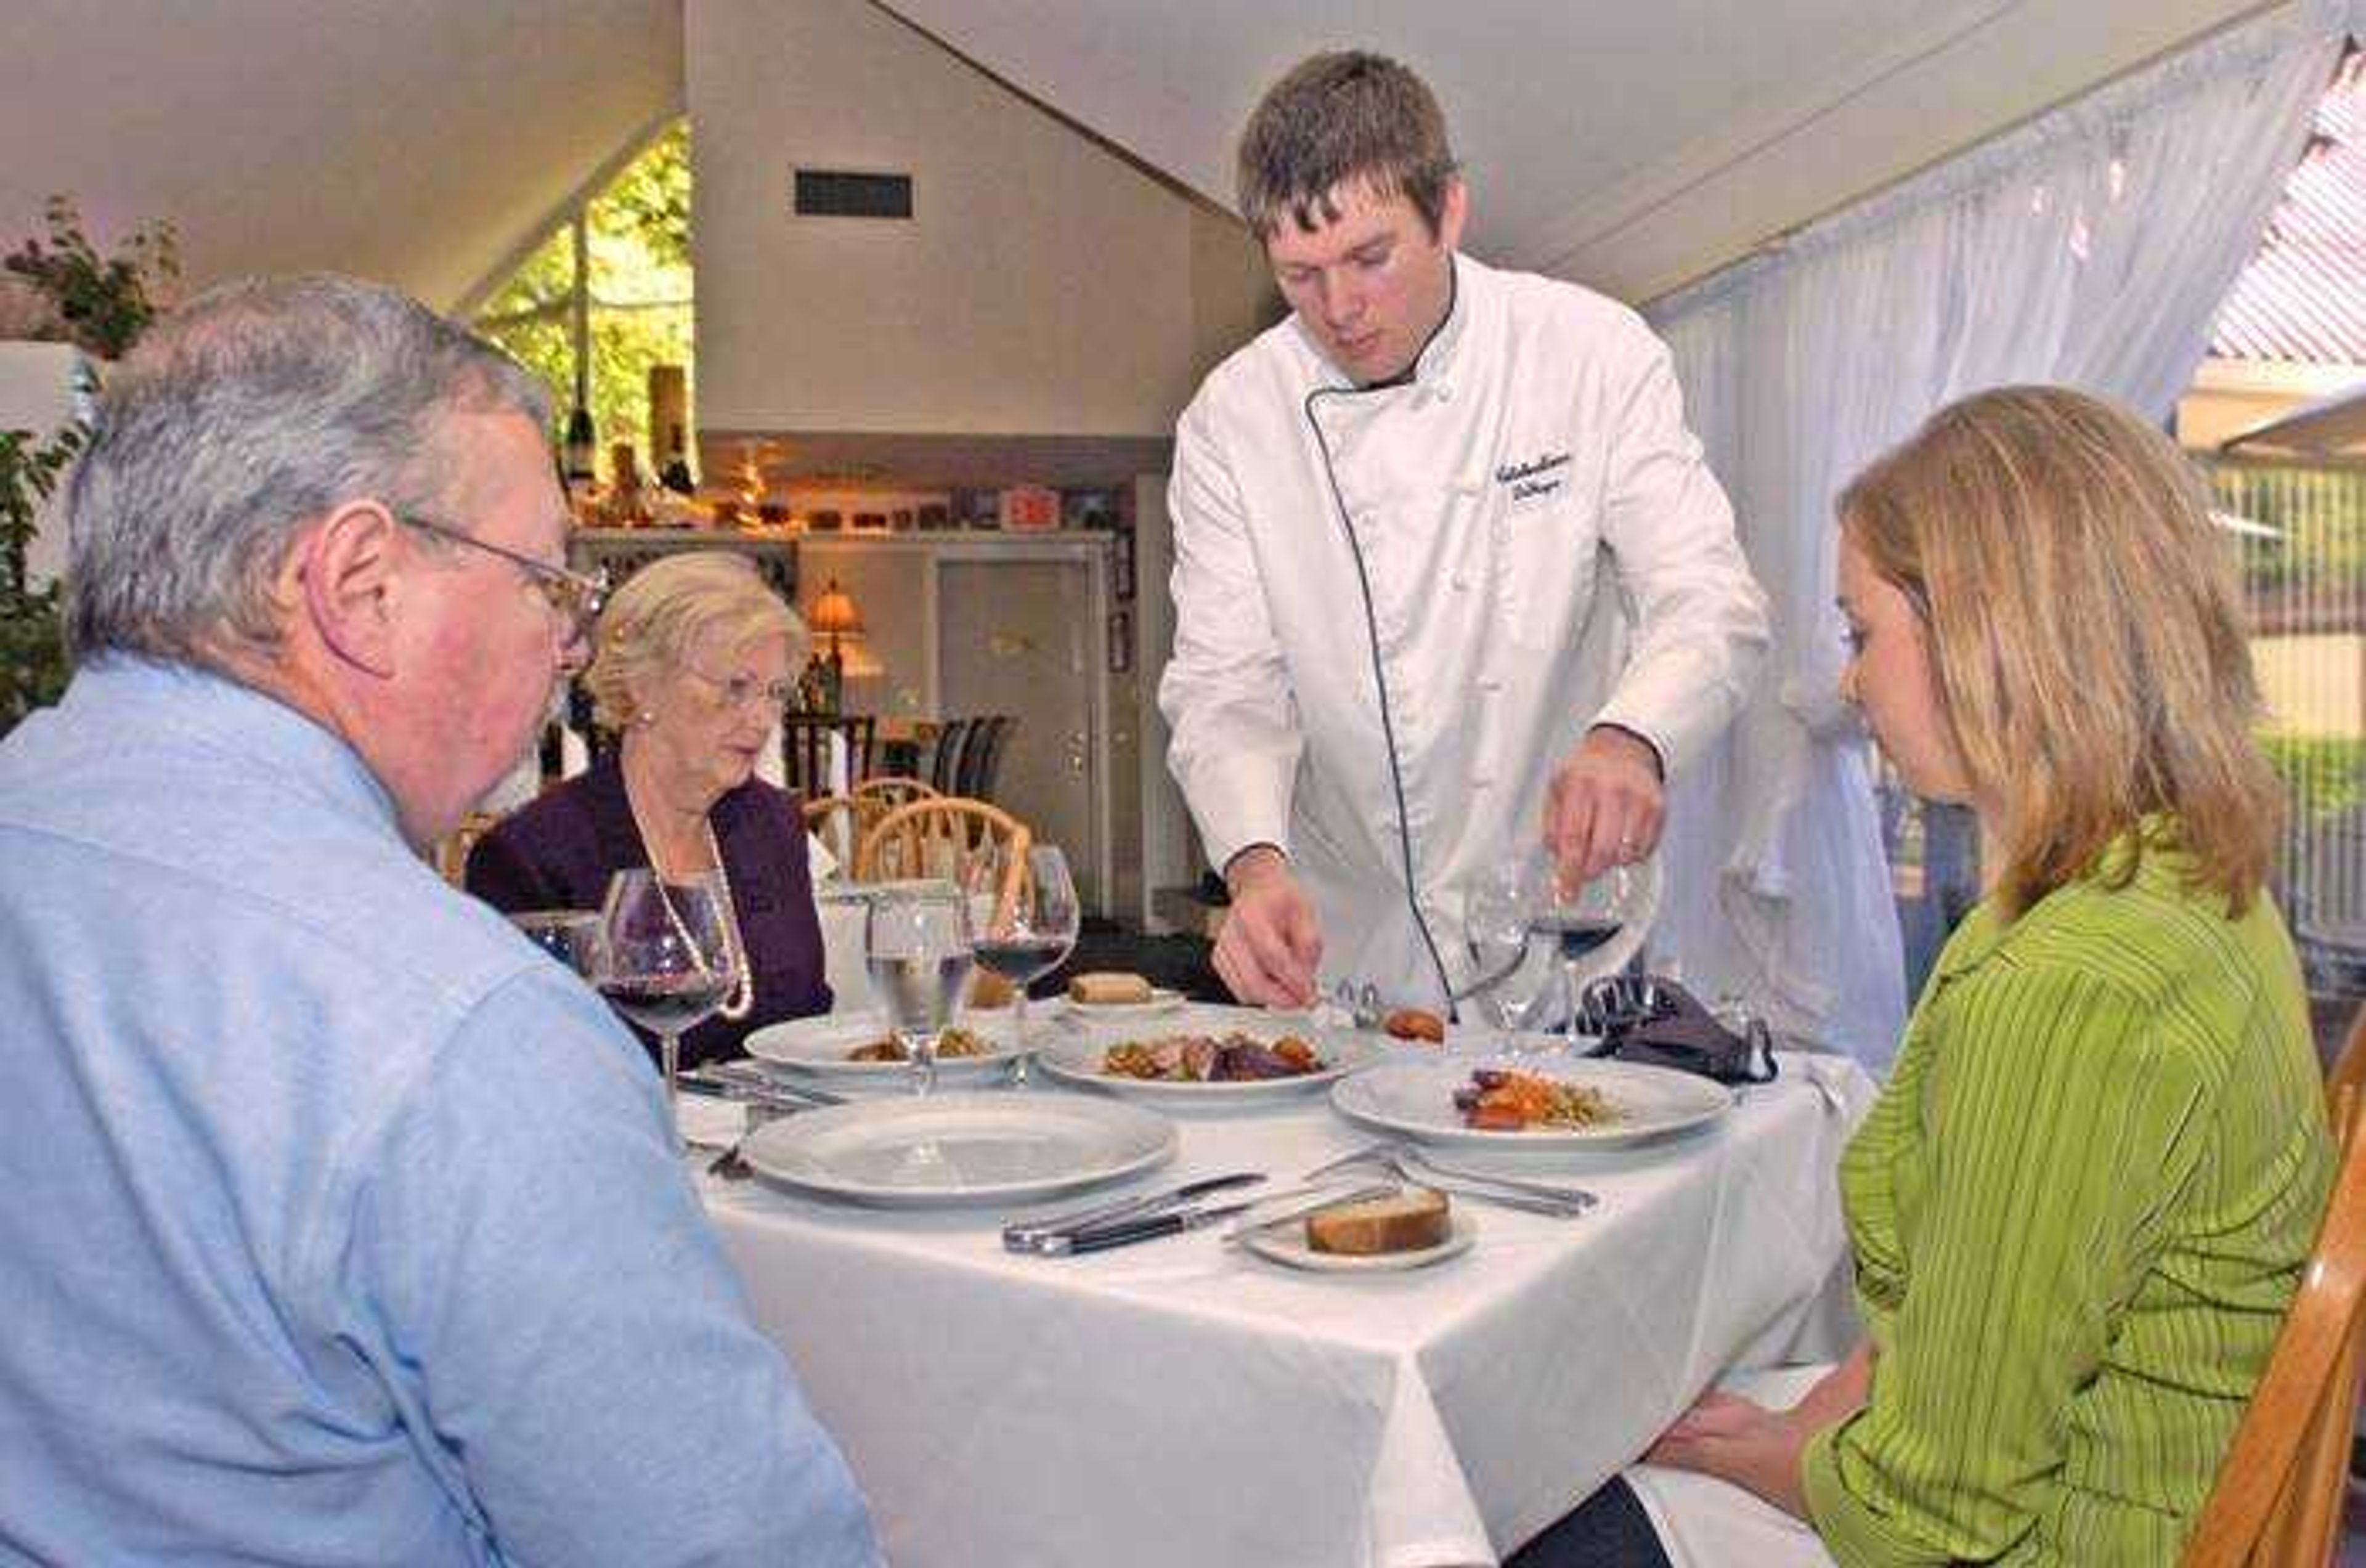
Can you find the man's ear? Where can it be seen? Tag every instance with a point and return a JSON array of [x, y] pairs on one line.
[[349, 574], [1452, 212]]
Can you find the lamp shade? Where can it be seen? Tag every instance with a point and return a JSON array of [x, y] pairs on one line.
[[833, 612]]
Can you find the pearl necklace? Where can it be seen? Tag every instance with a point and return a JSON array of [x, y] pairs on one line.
[[743, 991], [743, 994]]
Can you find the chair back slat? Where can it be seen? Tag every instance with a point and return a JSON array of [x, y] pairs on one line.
[[2276, 1501], [937, 838], [893, 790]]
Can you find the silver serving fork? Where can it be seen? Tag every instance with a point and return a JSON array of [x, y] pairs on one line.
[[1416, 1166]]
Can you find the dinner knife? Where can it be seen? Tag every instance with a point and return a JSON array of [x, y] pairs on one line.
[[1174, 1221], [1022, 1237]]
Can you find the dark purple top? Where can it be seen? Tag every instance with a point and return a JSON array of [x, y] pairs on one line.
[[558, 852]]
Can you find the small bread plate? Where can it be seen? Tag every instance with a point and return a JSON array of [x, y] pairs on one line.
[[958, 1150], [1081, 1059], [823, 1049], [1161, 1001], [1286, 1244], [1415, 1099]]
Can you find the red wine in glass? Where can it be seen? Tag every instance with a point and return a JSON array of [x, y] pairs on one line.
[[1020, 959], [667, 1004]]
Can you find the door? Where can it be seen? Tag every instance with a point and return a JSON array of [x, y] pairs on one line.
[[1023, 638]]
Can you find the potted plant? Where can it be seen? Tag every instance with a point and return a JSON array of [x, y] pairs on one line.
[[59, 289], [99, 303], [33, 667]]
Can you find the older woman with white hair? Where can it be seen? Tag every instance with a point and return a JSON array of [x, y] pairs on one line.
[[696, 656]]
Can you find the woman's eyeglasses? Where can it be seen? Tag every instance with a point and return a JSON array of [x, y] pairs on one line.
[[742, 691]]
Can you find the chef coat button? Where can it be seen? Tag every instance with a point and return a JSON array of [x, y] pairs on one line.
[[1461, 584], [1445, 391]]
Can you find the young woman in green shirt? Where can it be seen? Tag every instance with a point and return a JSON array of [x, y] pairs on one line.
[[2081, 1205]]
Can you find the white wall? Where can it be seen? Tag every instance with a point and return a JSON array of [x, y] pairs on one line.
[[1045, 285]]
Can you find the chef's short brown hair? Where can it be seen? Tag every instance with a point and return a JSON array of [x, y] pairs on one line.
[[1342, 119]]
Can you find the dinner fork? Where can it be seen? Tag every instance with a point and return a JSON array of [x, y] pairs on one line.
[[1538, 1197]]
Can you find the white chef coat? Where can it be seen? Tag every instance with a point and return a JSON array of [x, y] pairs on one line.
[[1537, 456]]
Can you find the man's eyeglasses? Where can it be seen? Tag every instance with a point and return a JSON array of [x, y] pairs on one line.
[[740, 691], [578, 599]]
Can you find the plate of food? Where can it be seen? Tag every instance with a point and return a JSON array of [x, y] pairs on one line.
[[958, 1150], [1194, 1065], [1413, 1229], [1117, 997], [858, 1048], [1521, 1105]]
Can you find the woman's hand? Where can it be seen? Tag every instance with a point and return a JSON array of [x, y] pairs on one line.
[[1738, 1440]]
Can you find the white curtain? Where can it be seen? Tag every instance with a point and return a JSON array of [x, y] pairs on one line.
[[2091, 247]]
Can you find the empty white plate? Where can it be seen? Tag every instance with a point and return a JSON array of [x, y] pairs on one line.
[[960, 1150]]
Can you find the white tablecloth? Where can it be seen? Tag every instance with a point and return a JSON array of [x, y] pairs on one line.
[[1177, 1402]]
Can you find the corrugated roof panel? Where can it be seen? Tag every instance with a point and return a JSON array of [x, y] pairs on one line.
[[2302, 297]]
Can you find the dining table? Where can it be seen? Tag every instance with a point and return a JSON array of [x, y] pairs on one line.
[[1186, 1401]]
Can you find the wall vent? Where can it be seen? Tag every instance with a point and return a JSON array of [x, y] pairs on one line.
[[837, 193]]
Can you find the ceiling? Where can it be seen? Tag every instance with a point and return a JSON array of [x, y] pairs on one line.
[[1633, 146], [427, 142], [422, 141]]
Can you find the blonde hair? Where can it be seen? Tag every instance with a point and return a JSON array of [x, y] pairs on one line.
[[2086, 634], [648, 628]]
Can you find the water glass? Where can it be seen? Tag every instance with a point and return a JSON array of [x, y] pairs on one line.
[[917, 946]]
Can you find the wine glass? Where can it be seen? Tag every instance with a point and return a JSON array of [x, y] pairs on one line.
[[1036, 934], [667, 958], [571, 936], [1495, 933], [917, 946], [1577, 919]]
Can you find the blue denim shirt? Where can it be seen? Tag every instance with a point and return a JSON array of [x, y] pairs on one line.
[[337, 1224]]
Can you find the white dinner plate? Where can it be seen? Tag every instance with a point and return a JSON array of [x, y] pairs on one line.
[[819, 1048], [1286, 1244], [1415, 1099], [958, 1150], [1076, 1058], [1161, 1001]]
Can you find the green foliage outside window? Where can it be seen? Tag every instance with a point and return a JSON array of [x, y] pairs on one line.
[[641, 295]]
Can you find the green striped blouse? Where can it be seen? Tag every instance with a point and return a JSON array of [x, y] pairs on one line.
[[2079, 1210]]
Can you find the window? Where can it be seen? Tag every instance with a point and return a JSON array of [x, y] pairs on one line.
[[596, 330]]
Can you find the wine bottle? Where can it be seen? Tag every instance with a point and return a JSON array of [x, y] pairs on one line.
[[676, 474], [582, 444]]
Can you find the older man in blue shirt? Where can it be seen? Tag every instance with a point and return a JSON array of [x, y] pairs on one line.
[[340, 1225]]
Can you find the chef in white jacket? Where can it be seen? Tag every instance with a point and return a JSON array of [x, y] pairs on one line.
[[1450, 569]]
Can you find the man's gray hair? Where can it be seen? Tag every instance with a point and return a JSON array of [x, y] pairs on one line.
[[251, 410]]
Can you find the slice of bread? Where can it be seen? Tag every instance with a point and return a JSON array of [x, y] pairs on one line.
[[1414, 1218], [1104, 990]]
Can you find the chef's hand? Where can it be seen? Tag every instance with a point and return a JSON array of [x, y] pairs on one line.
[[1606, 805], [1269, 946]]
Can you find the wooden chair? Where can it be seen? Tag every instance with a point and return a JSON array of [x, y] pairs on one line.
[[804, 749], [2349, 1069], [2276, 1501], [944, 758], [939, 838], [893, 790], [982, 758]]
